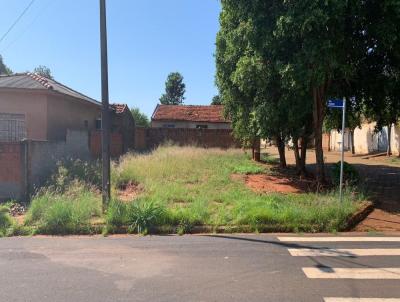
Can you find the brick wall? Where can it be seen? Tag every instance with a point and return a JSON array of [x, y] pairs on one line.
[[11, 178], [116, 146], [149, 138]]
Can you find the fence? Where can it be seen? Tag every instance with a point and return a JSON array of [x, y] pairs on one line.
[[26, 165], [150, 138]]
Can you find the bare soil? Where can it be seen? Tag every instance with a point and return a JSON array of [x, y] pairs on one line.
[[129, 191], [276, 184]]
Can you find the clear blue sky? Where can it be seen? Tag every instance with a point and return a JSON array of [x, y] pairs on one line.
[[147, 39]]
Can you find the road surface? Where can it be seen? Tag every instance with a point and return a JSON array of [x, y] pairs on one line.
[[200, 268]]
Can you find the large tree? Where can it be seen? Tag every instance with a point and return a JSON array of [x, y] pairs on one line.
[[174, 90], [43, 71], [4, 70]]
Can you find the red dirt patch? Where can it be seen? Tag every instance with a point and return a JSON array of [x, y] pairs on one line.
[[275, 184], [129, 191], [379, 220]]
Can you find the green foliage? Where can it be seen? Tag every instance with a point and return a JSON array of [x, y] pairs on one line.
[[6, 222], [43, 71], [174, 90], [248, 168], [71, 170], [350, 174], [216, 100], [142, 215], [4, 70], [116, 214], [68, 212], [141, 120]]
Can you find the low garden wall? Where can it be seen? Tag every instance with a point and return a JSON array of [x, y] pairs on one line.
[[150, 138]]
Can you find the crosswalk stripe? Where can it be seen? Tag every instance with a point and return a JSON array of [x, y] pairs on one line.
[[339, 239], [330, 252], [333, 299], [351, 273]]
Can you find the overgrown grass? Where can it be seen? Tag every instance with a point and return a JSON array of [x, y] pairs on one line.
[[6, 221], [67, 212], [193, 186]]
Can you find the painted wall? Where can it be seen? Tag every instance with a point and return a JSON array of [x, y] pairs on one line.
[[64, 113], [190, 125], [366, 140], [33, 104]]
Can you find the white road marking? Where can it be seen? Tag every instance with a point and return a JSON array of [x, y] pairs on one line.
[[330, 252], [339, 239], [351, 273], [332, 299]]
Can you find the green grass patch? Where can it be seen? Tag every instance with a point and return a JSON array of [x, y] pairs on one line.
[[69, 212], [194, 187]]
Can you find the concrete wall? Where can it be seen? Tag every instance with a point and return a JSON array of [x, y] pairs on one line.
[[116, 144], [33, 104], [44, 155], [150, 138], [190, 125], [27, 165], [65, 112], [366, 140]]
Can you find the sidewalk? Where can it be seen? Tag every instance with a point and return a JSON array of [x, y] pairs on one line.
[[382, 181]]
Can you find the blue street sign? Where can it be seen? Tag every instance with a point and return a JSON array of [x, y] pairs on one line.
[[335, 103]]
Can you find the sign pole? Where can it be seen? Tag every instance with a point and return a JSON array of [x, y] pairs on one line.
[[342, 155], [105, 115]]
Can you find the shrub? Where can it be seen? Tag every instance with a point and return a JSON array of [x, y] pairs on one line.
[[350, 174], [142, 215], [116, 215], [64, 213], [68, 171], [6, 221]]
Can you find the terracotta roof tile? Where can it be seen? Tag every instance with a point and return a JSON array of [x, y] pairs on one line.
[[212, 113], [119, 108]]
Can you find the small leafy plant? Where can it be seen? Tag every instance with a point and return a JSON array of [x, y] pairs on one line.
[[143, 215], [350, 174]]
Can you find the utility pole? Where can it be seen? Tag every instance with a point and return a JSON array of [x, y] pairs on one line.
[[105, 115], [342, 154]]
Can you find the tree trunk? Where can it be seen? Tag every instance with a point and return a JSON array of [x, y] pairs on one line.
[[318, 118], [304, 143], [389, 146], [352, 142], [281, 149], [296, 154]]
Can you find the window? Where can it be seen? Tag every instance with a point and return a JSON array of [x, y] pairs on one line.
[[168, 126], [98, 124], [12, 127], [201, 126]]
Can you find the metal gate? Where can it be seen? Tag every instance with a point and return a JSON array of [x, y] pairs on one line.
[[12, 127]]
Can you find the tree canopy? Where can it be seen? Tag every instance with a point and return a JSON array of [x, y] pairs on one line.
[[174, 90], [44, 71], [216, 100], [4, 70], [282, 60], [140, 118]]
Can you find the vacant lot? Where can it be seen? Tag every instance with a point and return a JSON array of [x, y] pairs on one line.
[[179, 189]]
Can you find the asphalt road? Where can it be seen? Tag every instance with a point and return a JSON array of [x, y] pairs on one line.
[[197, 268]]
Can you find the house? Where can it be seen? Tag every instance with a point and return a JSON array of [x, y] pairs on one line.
[[37, 108], [366, 139], [122, 122], [190, 116]]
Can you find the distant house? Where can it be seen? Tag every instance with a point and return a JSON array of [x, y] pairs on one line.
[[37, 108], [122, 122], [189, 116]]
